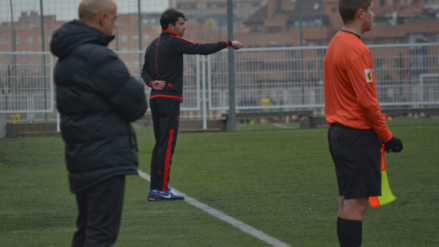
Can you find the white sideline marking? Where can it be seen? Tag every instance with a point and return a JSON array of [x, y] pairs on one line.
[[284, 127], [222, 216]]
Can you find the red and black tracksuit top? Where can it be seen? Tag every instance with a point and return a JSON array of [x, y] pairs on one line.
[[164, 62]]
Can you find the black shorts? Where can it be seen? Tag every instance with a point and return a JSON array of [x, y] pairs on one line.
[[357, 158]]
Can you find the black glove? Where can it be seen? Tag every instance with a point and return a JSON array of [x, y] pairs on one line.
[[394, 145]]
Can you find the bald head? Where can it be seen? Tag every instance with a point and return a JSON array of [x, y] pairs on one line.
[[100, 14], [89, 10]]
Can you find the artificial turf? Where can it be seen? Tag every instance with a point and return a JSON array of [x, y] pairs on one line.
[[279, 182]]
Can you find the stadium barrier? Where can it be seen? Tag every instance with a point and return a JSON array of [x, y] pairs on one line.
[[267, 79]]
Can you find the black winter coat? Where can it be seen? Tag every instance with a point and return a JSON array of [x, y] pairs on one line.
[[97, 99]]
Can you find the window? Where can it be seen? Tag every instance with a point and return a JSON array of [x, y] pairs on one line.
[[30, 66], [417, 38], [399, 40], [146, 37], [17, 40], [310, 65], [318, 22], [311, 43], [382, 3], [1, 40], [399, 62], [124, 38], [124, 49], [6, 41], [379, 41], [135, 37], [30, 40], [334, 10], [436, 59], [274, 29], [49, 39], [39, 40], [436, 38], [1, 66], [18, 66]]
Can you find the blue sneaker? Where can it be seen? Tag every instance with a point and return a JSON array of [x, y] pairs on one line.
[[157, 195]]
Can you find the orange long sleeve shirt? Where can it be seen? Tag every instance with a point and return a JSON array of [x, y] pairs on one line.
[[350, 88]]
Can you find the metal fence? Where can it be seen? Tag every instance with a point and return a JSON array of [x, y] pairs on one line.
[[292, 77], [266, 78], [26, 82]]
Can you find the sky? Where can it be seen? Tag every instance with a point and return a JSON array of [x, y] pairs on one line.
[[67, 9]]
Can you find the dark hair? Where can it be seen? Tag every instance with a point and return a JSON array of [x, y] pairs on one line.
[[348, 8], [170, 16]]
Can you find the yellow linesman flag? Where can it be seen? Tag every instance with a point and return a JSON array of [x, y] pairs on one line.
[[386, 193]]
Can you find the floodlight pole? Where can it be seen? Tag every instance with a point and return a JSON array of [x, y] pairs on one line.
[[232, 115], [44, 57]]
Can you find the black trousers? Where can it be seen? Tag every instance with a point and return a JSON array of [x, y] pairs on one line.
[[100, 212], [165, 117]]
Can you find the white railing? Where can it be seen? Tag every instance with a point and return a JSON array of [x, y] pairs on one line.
[[26, 83], [289, 77]]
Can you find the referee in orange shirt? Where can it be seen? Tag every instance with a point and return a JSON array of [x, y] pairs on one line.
[[357, 128]]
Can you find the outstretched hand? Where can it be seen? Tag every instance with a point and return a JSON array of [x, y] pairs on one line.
[[158, 85], [237, 45]]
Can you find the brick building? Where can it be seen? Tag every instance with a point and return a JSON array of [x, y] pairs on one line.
[[394, 23], [216, 9]]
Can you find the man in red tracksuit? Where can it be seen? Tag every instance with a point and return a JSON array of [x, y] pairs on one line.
[[163, 72]]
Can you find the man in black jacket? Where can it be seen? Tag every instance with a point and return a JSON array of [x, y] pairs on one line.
[[97, 99], [163, 72]]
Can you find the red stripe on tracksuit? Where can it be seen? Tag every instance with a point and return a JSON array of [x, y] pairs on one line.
[[168, 160], [165, 96]]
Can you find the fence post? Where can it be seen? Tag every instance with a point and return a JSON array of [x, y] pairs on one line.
[[198, 78], [302, 66], [44, 57], [232, 106], [203, 92], [139, 17]]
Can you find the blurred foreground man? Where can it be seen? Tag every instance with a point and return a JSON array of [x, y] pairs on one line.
[[357, 128], [163, 73], [97, 99]]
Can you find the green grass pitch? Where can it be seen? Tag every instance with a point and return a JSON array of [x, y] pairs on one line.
[[279, 182]]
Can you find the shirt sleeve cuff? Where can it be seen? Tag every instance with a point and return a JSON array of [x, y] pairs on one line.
[[150, 84]]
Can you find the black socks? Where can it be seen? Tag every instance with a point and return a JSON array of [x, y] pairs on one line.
[[349, 232], [338, 229]]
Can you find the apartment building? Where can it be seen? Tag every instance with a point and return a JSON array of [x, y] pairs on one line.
[[394, 23]]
